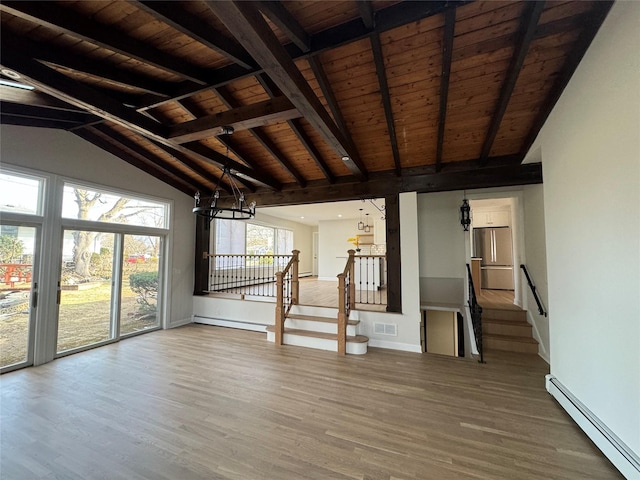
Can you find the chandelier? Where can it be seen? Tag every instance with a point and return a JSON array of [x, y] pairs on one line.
[[239, 209]]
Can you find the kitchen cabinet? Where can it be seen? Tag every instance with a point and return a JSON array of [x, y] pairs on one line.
[[493, 218]]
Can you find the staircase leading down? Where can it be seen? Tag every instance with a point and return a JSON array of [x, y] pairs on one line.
[[317, 327], [507, 330]]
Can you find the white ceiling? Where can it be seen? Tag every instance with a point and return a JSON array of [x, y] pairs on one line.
[[312, 213]]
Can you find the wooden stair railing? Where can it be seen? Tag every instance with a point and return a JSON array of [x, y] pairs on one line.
[[287, 294], [346, 300]]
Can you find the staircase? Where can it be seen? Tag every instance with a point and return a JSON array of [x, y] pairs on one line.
[[317, 327], [507, 330]]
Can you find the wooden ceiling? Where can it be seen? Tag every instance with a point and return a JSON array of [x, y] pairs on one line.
[[329, 100]]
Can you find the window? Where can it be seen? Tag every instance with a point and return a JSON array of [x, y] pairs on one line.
[[82, 203], [20, 193], [242, 238]]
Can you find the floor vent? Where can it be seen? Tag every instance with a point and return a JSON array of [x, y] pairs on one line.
[[385, 329]]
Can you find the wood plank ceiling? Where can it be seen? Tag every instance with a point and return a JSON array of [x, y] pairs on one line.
[[329, 100]]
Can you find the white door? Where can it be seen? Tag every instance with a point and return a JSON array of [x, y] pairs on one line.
[[315, 254]]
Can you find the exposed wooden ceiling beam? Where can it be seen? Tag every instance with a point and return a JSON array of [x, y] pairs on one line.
[[264, 140], [43, 113], [65, 20], [526, 33], [590, 28], [97, 139], [314, 153], [192, 164], [62, 57], [172, 14], [33, 97], [332, 102], [253, 32], [397, 15], [137, 150], [53, 83], [387, 183], [447, 51], [278, 14], [296, 126], [239, 170], [386, 99], [242, 118], [366, 14]]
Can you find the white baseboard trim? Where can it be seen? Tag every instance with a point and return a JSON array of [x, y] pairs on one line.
[[256, 327], [406, 347], [179, 323], [622, 457]]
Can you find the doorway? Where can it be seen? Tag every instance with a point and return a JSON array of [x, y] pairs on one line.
[[18, 294]]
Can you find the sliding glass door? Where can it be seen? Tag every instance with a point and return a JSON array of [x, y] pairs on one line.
[[86, 289], [140, 276], [17, 293]]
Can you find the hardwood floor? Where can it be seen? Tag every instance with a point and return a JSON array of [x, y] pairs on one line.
[[497, 299], [202, 402]]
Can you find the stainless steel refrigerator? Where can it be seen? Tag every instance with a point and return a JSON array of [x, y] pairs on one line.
[[493, 245]]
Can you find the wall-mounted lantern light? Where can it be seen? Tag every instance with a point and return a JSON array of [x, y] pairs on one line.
[[465, 215]]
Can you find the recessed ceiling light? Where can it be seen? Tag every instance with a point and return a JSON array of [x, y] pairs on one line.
[[346, 158], [339, 215], [10, 73], [302, 218]]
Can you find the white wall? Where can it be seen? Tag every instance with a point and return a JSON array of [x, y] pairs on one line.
[[590, 147], [534, 238], [333, 246], [441, 245], [62, 153], [302, 237], [408, 322]]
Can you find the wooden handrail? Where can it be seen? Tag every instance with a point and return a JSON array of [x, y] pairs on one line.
[[282, 310], [346, 300]]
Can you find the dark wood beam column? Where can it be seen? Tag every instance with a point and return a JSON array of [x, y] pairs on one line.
[[394, 270], [201, 270]]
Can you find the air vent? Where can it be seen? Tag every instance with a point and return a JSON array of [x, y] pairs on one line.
[[385, 329]]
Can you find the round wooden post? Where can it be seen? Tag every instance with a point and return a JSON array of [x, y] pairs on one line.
[[342, 316], [279, 308]]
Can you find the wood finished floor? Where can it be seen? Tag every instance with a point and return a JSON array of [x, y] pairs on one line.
[[497, 299], [203, 402]]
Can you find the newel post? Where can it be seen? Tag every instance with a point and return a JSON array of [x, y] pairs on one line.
[[279, 308], [295, 284], [352, 279], [342, 315]]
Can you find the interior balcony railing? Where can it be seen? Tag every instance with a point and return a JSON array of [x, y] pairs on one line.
[[253, 275], [370, 279]]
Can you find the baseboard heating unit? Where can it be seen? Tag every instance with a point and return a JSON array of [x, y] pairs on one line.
[[611, 446]]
